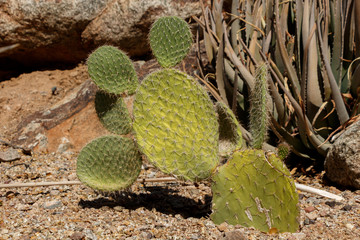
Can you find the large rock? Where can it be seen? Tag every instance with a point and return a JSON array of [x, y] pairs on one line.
[[342, 164], [65, 31]]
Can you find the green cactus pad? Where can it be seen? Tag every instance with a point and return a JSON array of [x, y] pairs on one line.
[[255, 190], [176, 125], [170, 40], [259, 116], [112, 70], [112, 112], [229, 130], [109, 163]]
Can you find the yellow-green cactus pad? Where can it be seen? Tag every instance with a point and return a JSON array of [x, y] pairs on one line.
[[113, 113], [112, 71], [170, 40], [109, 163], [176, 125], [255, 189]]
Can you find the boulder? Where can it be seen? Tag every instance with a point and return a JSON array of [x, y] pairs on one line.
[[342, 163], [65, 31]]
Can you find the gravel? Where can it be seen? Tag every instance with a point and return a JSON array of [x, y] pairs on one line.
[[163, 210]]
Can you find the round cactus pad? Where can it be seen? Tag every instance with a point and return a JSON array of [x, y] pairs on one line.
[[170, 40], [112, 113], [109, 163], [112, 70], [255, 189], [176, 125]]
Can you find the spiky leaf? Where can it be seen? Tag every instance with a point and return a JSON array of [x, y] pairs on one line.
[[112, 70], [229, 130], [109, 163], [170, 40], [254, 189], [113, 113], [176, 125]]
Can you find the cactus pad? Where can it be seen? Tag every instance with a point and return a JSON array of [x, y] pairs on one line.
[[112, 112], [229, 130], [112, 70], [176, 125], [170, 40], [109, 163], [259, 116], [254, 189]]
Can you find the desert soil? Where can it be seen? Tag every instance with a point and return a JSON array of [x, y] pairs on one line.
[[164, 210]]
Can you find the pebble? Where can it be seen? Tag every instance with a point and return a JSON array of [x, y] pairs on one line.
[[349, 226], [234, 235], [347, 207], [222, 227], [311, 216], [77, 236], [10, 155], [309, 209], [52, 204], [299, 236]]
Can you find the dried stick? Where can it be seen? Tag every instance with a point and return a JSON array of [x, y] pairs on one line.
[[300, 187]]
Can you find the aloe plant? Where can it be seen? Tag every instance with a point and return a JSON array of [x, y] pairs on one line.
[[307, 45]]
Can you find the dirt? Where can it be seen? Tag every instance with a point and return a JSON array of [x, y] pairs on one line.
[[165, 210]]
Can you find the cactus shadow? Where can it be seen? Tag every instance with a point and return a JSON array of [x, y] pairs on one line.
[[163, 199]]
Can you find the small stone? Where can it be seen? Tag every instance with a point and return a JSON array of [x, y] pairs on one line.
[[77, 236], [309, 209], [234, 235], [311, 216], [146, 235], [9, 155], [299, 236], [347, 207], [349, 226], [332, 204], [52, 204], [222, 227]]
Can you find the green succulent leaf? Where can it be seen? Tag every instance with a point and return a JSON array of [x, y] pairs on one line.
[[176, 125], [255, 190], [113, 113], [112, 71], [170, 40], [109, 163]]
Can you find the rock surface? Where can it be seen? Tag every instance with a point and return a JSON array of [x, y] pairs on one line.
[[342, 163], [65, 31]]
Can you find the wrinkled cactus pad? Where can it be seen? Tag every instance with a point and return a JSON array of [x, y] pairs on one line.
[[109, 163], [113, 113], [176, 125], [170, 40], [255, 189], [112, 71], [229, 130]]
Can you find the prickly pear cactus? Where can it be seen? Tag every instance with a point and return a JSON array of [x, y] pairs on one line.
[[255, 190], [259, 116], [112, 70], [229, 130], [113, 113], [283, 150], [176, 125], [109, 163], [170, 40]]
